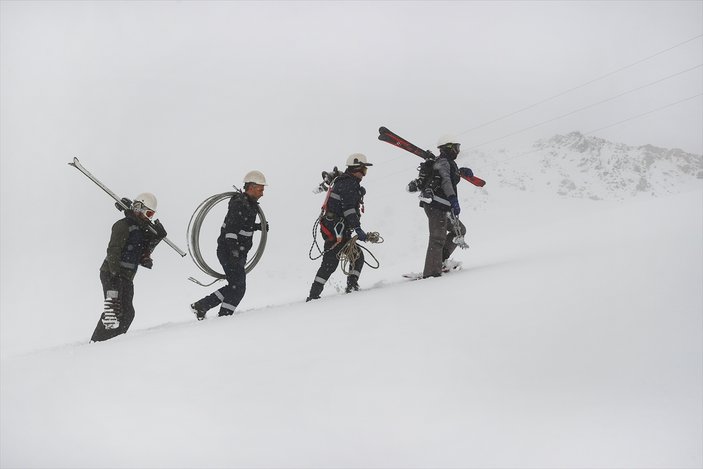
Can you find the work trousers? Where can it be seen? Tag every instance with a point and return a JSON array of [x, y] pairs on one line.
[[229, 296], [440, 245], [330, 262]]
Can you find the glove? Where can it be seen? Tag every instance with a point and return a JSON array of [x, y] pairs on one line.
[[412, 186], [373, 237], [160, 230], [455, 205], [466, 172], [147, 262], [429, 155], [125, 201], [257, 227], [360, 234]]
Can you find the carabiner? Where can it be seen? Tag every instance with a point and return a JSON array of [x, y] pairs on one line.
[[339, 229]]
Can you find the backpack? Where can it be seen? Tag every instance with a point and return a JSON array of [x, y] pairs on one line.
[[427, 178]]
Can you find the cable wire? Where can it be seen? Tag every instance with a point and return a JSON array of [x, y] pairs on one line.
[[193, 236], [580, 86], [613, 124], [643, 114], [587, 107]]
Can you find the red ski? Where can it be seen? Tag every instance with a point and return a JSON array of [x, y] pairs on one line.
[[387, 136]]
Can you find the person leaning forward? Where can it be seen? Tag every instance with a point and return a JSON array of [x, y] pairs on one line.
[[233, 245], [131, 244], [340, 221]]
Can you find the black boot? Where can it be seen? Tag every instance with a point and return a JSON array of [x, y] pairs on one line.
[[198, 311], [315, 291], [352, 284]]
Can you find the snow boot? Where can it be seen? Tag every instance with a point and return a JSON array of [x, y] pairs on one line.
[[199, 313], [352, 284], [450, 264], [315, 291]]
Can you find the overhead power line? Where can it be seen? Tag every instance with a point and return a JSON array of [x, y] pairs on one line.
[[581, 85], [651, 111], [643, 114], [588, 107]]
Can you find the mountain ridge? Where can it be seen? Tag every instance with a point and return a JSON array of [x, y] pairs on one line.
[[580, 166]]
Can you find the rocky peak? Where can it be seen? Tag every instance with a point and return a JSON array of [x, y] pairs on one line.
[[577, 165]]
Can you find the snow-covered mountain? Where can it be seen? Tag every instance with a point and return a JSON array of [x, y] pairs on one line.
[[580, 166]]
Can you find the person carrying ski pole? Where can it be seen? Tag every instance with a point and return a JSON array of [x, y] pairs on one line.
[[340, 221], [131, 244], [233, 245], [439, 201]]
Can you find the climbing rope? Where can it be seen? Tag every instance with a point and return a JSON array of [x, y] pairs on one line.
[[351, 251], [314, 242], [339, 229]]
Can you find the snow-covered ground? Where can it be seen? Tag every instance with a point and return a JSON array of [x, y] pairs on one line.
[[573, 337]]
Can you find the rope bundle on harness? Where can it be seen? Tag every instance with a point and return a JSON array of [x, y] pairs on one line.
[[349, 254], [351, 251]]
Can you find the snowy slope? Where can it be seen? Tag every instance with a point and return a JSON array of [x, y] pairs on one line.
[[572, 338]]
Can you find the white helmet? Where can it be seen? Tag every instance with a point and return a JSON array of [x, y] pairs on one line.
[[446, 140], [257, 177], [147, 200], [357, 159]]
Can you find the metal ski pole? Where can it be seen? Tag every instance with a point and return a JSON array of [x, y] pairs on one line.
[[77, 164]]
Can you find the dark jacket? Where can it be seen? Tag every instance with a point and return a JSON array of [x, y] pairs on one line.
[[130, 243], [236, 235], [446, 178], [344, 203]]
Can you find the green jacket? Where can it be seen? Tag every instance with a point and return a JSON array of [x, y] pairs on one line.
[[130, 243]]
